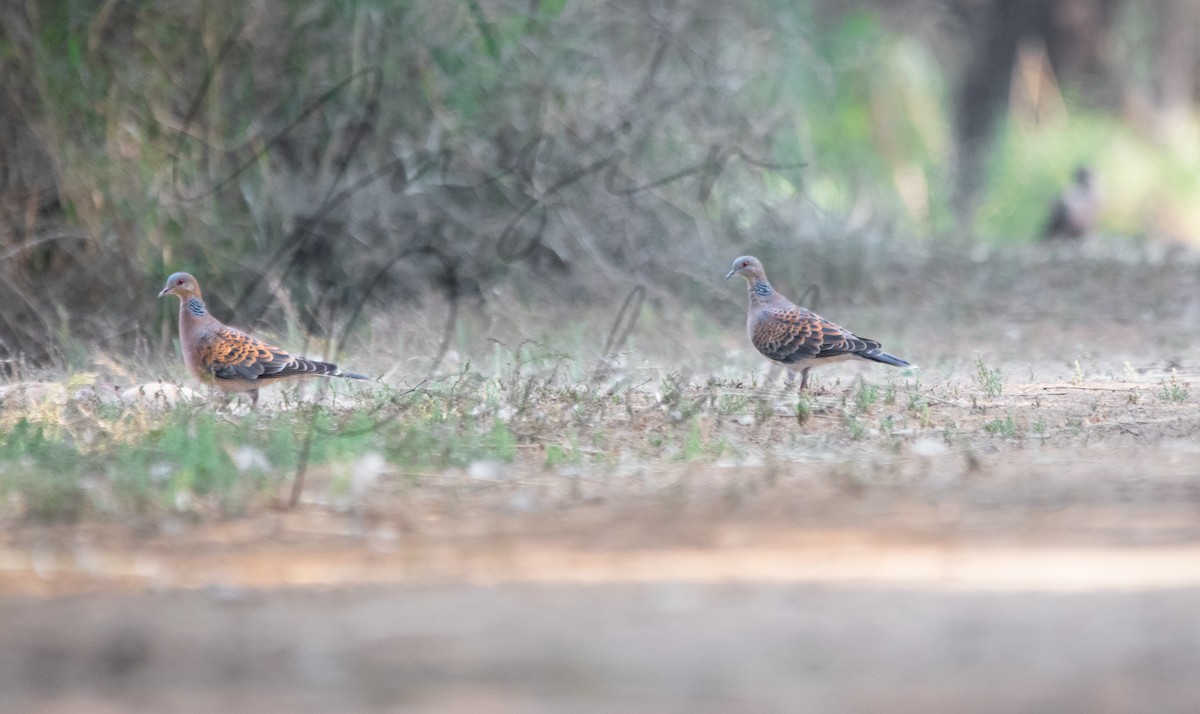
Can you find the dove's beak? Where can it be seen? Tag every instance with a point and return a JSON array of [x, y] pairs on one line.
[[730, 274], [164, 292]]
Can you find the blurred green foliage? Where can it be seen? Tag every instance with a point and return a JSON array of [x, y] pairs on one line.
[[309, 158]]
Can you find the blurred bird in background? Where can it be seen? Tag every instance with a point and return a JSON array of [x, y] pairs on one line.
[[1077, 210]]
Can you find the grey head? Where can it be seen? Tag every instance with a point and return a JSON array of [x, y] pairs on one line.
[[181, 284], [748, 267]]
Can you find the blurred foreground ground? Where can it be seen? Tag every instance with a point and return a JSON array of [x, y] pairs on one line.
[[744, 647], [1063, 581]]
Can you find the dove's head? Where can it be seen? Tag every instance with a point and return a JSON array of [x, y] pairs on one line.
[[749, 268], [182, 285], [1083, 175]]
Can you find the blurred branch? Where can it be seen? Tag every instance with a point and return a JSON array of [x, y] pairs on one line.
[[371, 108], [622, 326], [40, 240]]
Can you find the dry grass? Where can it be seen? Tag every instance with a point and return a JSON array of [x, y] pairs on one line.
[[511, 389]]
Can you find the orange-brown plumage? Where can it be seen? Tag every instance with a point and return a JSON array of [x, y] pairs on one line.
[[228, 358], [794, 336]]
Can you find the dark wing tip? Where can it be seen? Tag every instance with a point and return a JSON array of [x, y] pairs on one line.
[[879, 355]]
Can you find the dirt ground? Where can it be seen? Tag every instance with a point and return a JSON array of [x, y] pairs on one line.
[[1043, 580], [1028, 551]]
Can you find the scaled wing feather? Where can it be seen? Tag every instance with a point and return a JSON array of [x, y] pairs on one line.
[[231, 354], [796, 334]]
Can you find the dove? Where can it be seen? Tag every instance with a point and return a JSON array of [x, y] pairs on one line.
[[795, 337], [228, 358]]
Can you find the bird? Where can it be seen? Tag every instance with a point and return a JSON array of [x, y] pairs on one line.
[[793, 336], [1077, 209], [228, 358]]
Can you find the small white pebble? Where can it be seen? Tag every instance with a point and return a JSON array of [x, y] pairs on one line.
[[485, 470], [248, 458], [366, 471], [928, 447]]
